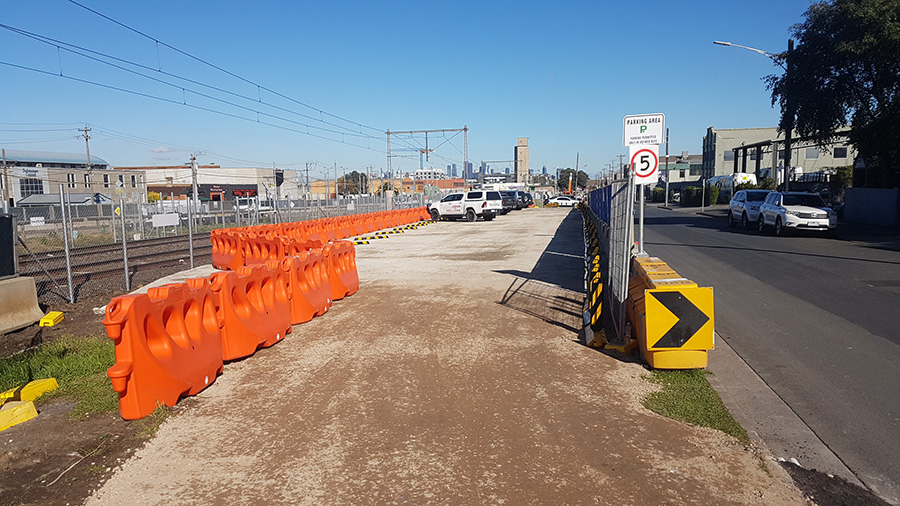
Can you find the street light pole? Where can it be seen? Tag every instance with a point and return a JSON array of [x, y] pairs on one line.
[[787, 123]]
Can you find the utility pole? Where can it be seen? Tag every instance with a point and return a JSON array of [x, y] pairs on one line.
[[195, 200], [5, 184], [87, 148], [667, 168], [622, 165], [277, 192]]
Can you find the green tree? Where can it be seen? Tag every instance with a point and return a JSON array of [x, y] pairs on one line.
[[579, 179], [352, 183], [845, 70]]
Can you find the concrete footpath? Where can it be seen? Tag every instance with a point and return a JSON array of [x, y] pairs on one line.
[[454, 376]]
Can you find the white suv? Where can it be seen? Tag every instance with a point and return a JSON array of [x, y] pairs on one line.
[[744, 207], [469, 205], [796, 211]]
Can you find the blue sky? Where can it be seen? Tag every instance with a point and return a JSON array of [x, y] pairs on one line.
[[563, 74]]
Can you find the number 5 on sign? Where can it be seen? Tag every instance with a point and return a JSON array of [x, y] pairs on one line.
[[645, 162]]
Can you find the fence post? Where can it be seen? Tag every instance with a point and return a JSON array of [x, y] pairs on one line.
[[124, 245], [191, 232], [62, 207]]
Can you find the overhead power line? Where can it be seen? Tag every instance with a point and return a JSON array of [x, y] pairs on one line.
[[220, 69]]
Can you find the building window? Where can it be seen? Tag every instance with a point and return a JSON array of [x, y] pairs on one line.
[[681, 173], [70, 179], [812, 153], [122, 180], [30, 186], [697, 171], [134, 181], [840, 152], [87, 180], [106, 180], [729, 155], [170, 181]]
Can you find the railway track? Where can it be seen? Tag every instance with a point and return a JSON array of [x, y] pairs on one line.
[[101, 269]]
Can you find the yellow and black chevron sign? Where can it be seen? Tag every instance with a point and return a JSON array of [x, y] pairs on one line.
[[682, 319]]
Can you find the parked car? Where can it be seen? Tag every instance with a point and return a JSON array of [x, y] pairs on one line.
[[796, 211], [744, 207], [509, 201], [562, 201], [469, 205]]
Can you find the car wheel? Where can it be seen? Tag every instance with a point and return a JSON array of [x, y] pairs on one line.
[[731, 222], [470, 215], [761, 223], [779, 228], [745, 221], [435, 215], [488, 217]]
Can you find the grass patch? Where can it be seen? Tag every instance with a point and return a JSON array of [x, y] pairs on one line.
[[688, 396], [150, 424], [78, 364]]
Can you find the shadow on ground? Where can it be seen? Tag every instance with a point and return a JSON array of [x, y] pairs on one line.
[[554, 289]]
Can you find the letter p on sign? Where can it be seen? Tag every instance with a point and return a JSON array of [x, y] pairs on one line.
[[643, 128]]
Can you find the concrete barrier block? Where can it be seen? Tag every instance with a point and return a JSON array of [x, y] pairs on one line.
[[18, 304]]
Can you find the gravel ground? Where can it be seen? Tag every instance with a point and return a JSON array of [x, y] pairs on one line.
[[454, 376]]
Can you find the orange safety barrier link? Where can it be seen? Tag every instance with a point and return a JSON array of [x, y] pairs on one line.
[[260, 249], [308, 285], [168, 345], [227, 249], [341, 261], [254, 309]]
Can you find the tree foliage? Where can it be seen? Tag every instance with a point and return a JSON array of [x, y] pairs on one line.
[[579, 179], [352, 183], [845, 70]]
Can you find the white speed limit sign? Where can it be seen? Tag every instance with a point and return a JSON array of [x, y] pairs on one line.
[[644, 162]]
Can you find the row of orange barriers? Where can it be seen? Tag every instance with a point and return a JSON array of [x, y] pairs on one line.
[[173, 340], [235, 247]]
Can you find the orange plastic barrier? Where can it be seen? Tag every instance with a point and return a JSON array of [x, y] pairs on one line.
[[227, 249], [308, 285], [254, 308], [341, 261], [168, 345]]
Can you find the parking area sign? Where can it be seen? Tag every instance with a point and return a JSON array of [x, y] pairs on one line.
[[642, 129]]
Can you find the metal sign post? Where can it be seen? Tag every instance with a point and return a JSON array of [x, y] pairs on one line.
[[644, 165]]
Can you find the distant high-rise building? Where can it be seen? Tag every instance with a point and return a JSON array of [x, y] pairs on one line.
[[507, 170], [544, 170], [521, 158], [449, 171]]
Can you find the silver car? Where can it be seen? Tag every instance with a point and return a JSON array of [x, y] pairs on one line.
[[744, 207], [796, 211]]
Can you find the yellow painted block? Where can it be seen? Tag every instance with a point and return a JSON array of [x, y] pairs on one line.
[[672, 284], [31, 391], [677, 359], [646, 261], [16, 412], [51, 319]]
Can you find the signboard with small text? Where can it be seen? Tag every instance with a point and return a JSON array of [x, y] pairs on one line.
[[642, 129]]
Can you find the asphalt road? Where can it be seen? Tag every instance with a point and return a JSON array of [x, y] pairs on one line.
[[818, 320]]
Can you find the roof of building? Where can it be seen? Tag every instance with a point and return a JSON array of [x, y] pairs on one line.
[[49, 199], [15, 155]]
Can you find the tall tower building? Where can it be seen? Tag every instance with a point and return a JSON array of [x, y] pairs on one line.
[[521, 158]]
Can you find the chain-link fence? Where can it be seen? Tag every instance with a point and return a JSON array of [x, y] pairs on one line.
[[78, 251]]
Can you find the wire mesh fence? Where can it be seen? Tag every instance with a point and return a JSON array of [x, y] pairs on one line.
[[80, 251]]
